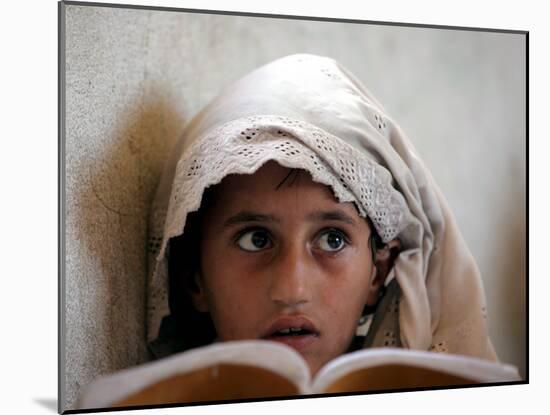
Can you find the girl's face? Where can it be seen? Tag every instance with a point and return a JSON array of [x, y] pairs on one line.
[[288, 264]]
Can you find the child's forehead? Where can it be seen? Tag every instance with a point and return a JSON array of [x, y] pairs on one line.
[[278, 192], [271, 180]]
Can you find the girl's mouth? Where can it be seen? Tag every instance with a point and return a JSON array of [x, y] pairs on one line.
[[295, 331], [297, 339]]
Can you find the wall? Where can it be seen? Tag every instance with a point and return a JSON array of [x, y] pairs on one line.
[[134, 77]]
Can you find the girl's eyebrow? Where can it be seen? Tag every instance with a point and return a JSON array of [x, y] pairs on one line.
[[246, 216], [338, 215]]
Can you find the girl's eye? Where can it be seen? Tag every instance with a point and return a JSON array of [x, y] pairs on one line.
[[332, 240], [254, 240]]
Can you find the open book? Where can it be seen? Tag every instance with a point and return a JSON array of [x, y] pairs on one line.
[[261, 369]]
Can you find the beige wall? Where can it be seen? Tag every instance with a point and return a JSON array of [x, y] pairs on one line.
[[134, 77]]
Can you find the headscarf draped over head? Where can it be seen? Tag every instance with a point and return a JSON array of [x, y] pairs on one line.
[[309, 112]]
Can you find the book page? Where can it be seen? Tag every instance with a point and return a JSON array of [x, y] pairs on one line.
[[218, 382], [229, 370], [388, 368], [393, 377]]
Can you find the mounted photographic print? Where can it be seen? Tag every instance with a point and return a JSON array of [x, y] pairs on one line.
[[277, 207]]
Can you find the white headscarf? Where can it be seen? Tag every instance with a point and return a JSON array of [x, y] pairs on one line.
[[308, 112]]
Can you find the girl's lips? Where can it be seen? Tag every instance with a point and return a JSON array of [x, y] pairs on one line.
[[297, 342], [287, 322]]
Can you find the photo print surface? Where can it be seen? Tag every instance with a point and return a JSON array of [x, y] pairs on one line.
[[260, 207]]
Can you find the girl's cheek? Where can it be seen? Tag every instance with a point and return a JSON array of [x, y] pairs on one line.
[[336, 264], [253, 263]]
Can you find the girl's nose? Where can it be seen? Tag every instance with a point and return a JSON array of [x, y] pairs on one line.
[[291, 278]]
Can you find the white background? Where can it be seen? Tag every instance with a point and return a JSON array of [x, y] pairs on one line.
[[28, 179]]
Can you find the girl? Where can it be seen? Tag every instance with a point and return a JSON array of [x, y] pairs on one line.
[[294, 209]]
